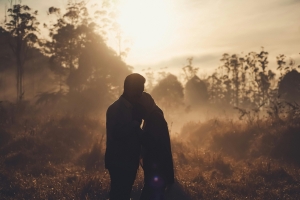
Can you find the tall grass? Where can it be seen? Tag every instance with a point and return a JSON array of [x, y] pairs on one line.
[[61, 157]]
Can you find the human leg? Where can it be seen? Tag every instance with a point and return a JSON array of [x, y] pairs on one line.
[[154, 186], [121, 183]]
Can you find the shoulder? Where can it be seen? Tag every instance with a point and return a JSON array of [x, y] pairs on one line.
[[114, 107], [120, 105], [159, 110], [158, 113], [157, 117]]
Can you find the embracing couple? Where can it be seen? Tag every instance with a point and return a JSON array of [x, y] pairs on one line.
[[127, 142]]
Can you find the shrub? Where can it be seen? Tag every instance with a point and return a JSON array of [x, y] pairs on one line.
[[235, 143], [5, 137]]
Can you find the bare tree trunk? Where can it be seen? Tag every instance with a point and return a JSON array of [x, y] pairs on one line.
[[22, 92], [19, 71], [18, 85]]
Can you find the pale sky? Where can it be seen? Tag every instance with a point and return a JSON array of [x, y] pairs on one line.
[[163, 33]]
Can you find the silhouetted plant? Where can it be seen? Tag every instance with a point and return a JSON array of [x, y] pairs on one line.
[[243, 81], [22, 28], [225, 83], [289, 86], [216, 92], [189, 70]]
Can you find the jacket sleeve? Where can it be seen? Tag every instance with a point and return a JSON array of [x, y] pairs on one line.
[[117, 129]]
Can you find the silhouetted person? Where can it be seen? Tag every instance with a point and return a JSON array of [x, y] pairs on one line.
[[123, 147], [157, 155]]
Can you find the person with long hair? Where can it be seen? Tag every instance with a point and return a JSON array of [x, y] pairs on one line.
[[156, 151]]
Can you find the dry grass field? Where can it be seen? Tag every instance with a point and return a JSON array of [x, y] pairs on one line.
[[61, 157]]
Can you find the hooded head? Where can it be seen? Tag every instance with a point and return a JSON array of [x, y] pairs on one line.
[[147, 102]]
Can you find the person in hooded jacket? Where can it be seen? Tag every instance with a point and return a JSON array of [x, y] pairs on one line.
[[156, 151]]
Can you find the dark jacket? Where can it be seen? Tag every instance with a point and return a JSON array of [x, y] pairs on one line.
[[123, 146], [157, 155]]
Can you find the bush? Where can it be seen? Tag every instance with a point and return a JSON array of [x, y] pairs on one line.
[[234, 141], [18, 160], [5, 137], [286, 145], [93, 159]]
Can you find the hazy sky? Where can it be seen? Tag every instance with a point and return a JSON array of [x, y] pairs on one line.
[[163, 33]]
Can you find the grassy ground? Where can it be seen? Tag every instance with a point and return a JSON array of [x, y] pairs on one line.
[[61, 157]]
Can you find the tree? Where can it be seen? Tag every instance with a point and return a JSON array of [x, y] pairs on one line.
[[253, 82], [68, 38], [195, 89], [6, 61], [189, 70], [233, 65], [91, 72], [196, 92], [22, 29], [242, 81], [289, 87], [263, 79], [289, 80], [168, 92], [5, 56], [216, 91]]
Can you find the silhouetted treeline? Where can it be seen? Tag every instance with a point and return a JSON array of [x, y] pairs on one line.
[[242, 82], [75, 70]]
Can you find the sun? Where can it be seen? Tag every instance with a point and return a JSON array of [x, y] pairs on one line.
[[147, 22]]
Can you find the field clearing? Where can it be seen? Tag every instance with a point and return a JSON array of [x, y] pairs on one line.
[[62, 158]]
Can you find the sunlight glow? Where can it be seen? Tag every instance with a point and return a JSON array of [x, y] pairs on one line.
[[147, 22]]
